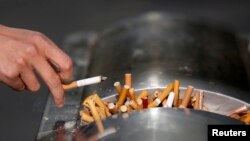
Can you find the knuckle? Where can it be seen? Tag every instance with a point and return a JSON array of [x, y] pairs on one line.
[[31, 51], [37, 36], [20, 61], [54, 82], [68, 64], [10, 73]]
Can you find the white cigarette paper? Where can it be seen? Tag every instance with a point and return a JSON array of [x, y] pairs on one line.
[[170, 100], [84, 82], [89, 81]]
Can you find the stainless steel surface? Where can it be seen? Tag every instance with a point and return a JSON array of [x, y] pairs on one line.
[[158, 124], [156, 49]]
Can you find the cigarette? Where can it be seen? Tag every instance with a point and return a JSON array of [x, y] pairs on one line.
[[161, 96], [123, 96], [86, 117], [101, 112], [246, 118], [170, 100], [100, 103], [123, 108], [118, 87], [187, 97], [84, 82], [112, 108], [85, 102], [128, 79], [238, 110], [176, 91], [197, 100], [132, 94], [156, 94], [93, 110], [133, 104], [201, 100], [143, 94], [144, 102], [139, 103]]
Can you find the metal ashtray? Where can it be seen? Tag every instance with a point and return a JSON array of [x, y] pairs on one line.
[[157, 124]]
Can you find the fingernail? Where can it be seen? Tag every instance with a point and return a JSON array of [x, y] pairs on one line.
[[61, 103]]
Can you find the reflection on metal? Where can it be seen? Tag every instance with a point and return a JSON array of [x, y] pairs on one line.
[[156, 124]]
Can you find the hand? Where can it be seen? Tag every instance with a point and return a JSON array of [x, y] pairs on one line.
[[24, 52]]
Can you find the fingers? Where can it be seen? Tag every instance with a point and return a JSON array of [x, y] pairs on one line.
[[56, 56], [46, 46], [15, 83], [51, 79], [29, 78], [34, 50]]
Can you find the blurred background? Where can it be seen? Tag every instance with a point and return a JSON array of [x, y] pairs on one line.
[[21, 112]]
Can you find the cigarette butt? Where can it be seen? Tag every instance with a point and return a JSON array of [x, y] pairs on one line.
[[179, 102], [86, 117], [100, 103], [118, 87], [201, 100], [143, 94], [164, 103], [133, 104], [144, 102], [139, 103], [170, 100], [197, 100], [112, 108], [187, 97], [245, 118], [176, 91], [100, 126], [101, 112], [161, 96], [84, 82], [131, 93], [123, 96], [166, 92], [156, 94], [129, 108], [85, 102], [238, 110], [123, 108], [128, 79], [93, 110]]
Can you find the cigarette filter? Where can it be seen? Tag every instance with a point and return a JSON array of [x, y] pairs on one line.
[[187, 97], [176, 91], [131, 94], [118, 87], [123, 96], [128, 79], [86, 117], [197, 100]]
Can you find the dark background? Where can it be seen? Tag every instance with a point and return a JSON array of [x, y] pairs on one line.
[[21, 112]]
